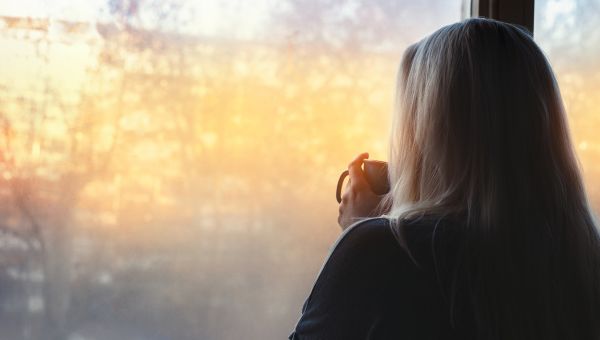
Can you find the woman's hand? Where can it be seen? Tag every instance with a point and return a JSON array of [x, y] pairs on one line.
[[358, 200]]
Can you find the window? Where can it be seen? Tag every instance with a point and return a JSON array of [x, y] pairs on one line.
[[566, 31], [167, 168]]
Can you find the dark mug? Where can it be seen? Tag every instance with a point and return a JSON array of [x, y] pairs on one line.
[[376, 173]]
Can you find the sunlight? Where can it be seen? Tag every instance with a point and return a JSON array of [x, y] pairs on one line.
[[240, 19], [58, 9]]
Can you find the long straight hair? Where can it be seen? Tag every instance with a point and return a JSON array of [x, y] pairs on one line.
[[480, 133]]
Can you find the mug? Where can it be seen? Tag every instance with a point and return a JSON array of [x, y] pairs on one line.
[[376, 173]]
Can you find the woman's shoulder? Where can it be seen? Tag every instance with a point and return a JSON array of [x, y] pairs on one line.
[[412, 241], [367, 231], [381, 231], [368, 259], [372, 237]]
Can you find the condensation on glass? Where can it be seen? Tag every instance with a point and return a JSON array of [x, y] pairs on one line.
[[167, 168]]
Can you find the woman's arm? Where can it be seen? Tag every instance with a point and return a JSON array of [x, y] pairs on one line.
[[349, 296]]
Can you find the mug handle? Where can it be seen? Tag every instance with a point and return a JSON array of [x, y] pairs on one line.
[[338, 192]]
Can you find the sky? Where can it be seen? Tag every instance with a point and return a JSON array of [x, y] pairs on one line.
[[240, 19]]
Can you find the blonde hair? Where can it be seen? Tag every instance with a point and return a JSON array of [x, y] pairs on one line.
[[480, 136]]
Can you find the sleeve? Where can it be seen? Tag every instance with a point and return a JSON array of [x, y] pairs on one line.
[[347, 295]]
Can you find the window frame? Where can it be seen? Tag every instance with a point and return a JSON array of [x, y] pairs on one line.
[[520, 12]]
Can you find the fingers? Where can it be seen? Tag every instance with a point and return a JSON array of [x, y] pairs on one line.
[[357, 177], [354, 195], [360, 158]]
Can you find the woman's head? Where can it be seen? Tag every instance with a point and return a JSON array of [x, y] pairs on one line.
[[480, 119], [480, 132]]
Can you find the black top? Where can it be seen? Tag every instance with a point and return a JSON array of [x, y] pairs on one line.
[[370, 288]]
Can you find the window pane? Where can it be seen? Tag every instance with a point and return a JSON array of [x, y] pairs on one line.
[[167, 168], [567, 32]]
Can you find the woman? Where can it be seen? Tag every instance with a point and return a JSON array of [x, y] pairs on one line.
[[488, 234]]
